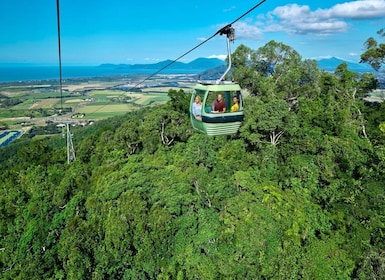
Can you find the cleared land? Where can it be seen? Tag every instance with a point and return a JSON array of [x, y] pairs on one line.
[[24, 105], [79, 100]]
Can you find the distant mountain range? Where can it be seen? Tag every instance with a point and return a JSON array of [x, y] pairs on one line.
[[330, 64], [198, 64], [215, 64]]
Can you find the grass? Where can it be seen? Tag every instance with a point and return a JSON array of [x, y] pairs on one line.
[[106, 111], [12, 122], [149, 100], [25, 105], [45, 103], [75, 100], [103, 115], [106, 108], [4, 114]]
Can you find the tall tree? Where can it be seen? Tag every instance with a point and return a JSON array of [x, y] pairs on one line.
[[375, 52], [243, 71], [179, 100]]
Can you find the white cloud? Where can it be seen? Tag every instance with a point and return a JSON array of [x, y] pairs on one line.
[[362, 9], [219, 56], [247, 31], [320, 57], [353, 54], [152, 59], [297, 19]]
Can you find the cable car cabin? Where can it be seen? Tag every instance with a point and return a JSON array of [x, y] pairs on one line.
[[214, 122]]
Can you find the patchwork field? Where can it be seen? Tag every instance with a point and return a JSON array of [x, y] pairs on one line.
[[44, 103], [85, 100], [105, 111], [26, 105]]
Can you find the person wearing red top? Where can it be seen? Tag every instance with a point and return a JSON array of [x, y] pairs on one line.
[[219, 105]]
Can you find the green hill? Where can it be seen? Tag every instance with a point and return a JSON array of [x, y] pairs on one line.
[[297, 194]]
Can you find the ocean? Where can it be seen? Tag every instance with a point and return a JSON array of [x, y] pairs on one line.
[[37, 73]]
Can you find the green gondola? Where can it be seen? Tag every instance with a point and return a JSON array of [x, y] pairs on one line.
[[207, 119], [213, 123]]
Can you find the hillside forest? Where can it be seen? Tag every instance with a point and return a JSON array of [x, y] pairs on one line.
[[297, 193]]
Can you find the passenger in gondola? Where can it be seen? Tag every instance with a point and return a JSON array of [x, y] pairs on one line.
[[219, 105], [197, 108], [235, 106]]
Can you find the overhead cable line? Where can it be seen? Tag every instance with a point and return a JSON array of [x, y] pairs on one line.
[[59, 44], [220, 32], [223, 30]]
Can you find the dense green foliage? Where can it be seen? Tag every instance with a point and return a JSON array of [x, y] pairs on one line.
[[375, 51], [297, 194]]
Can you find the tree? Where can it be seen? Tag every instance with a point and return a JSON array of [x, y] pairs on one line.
[[127, 135], [179, 100], [38, 152], [375, 52], [367, 83], [163, 126], [296, 194], [267, 122], [243, 61]]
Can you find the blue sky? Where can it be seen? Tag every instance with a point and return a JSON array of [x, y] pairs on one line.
[[122, 31]]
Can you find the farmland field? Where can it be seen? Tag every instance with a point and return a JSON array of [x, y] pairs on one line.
[[105, 111], [45, 103], [28, 104]]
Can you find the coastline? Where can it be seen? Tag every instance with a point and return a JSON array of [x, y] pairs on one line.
[[9, 74], [40, 104]]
